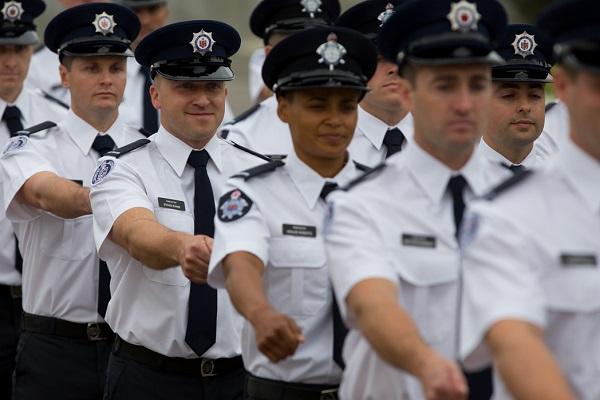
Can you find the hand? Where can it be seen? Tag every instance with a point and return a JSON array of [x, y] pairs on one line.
[[195, 256], [277, 335], [442, 379]]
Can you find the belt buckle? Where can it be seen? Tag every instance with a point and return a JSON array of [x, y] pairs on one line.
[[207, 368], [94, 332], [329, 394], [16, 292]]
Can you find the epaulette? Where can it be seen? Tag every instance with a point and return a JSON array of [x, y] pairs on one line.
[[145, 132], [279, 157], [116, 153], [551, 105], [53, 99], [36, 128], [259, 170], [244, 115], [507, 184], [361, 167], [245, 149], [224, 133], [363, 176]]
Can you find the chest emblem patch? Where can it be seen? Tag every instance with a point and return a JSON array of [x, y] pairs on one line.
[[234, 205]]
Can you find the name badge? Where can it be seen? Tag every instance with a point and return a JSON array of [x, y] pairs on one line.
[[578, 260], [171, 204], [428, 242], [299, 230]]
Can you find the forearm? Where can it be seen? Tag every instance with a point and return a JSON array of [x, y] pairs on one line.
[[527, 367]]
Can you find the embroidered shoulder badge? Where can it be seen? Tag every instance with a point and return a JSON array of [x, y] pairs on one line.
[[102, 171], [234, 205], [16, 144]]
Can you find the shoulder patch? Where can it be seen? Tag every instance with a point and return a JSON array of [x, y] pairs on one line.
[[145, 132], [233, 205], [102, 171], [363, 177], [15, 144], [36, 128], [245, 149], [551, 105], [361, 167], [244, 115], [259, 170], [53, 99], [128, 148], [507, 184]]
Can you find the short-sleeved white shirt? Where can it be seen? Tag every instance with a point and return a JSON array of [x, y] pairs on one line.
[[44, 75], [60, 265], [534, 159], [399, 226], [533, 254], [149, 307]]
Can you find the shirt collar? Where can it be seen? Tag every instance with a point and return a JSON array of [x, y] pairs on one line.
[[433, 176], [374, 129], [176, 152], [83, 134], [492, 155], [309, 182], [582, 171], [21, 102]]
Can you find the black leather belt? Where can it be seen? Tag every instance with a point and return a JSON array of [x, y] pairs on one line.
[[14, 292], [277, 390], [198, 367], [93, 331]]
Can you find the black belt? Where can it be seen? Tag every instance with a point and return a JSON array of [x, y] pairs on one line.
[[14, 292], [276, 390], [198, 367], [92, 331]]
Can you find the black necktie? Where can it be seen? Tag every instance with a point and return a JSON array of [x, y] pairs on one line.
[[456, 186], [201, 329], [102, 145], [150, 113], [393, 140], [12, 117], [339, 328], [514, 168]]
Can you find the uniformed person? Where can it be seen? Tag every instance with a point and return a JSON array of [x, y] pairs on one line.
[[518, 102], [64, 346], [392, 246], [19, 108], [259, 128], [268, 250], [154, 205], [384, 124], [531, 249]]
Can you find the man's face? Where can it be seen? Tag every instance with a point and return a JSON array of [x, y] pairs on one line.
[[517, 113], [151, 18], [385, 88], [450, 106], [96, 83], [322, 121], [190, 110], [14, 64]]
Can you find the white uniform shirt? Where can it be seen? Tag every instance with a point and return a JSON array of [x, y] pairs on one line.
[[60, 266], [44, 74], [367, 145], [150, 307], [34, 109], [533, 160], [399, 226], [533, 254], [556, 126], [255, 80], [283, 228]]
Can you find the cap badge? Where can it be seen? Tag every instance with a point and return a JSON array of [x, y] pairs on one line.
[[389, 10], [332, 53], [311, 7], [203, 42], [104, 23], [12, 11], [524, 44], [463, 16]]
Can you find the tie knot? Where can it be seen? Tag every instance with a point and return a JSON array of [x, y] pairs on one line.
[[103, 144], [393, 140], [11, 112], [328, 188], [198, 159], [457, 185]]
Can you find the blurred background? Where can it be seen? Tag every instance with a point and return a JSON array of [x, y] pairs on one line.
[[237, 13]]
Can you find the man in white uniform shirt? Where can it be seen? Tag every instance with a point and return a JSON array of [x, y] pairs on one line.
[[392, 240], [154, 205], [531, 250], [64, 345]]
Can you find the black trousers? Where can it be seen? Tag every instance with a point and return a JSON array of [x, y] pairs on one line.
[[130, 380], [10, 321], [58, 368]]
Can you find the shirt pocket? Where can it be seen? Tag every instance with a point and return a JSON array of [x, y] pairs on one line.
[[67, 239], [179, 221], [297, 282]]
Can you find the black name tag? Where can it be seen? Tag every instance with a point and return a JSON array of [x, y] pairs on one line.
[[77, 181], [299, 230], [578, 260], [418, 241], [171, 204]]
